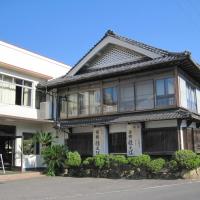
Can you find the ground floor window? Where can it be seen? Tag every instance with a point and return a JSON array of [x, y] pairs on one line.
[[160, 140], [117, 143], [81, 142], [30, 146]]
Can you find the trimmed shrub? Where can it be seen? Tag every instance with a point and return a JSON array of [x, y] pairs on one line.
[[73, 159], [141, 161], [156, 165], [54, 157], [172, 165], [101, 160], [117, 160], [187, 159], [88, 161]]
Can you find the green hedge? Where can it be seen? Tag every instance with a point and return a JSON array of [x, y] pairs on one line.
[[117, 166]]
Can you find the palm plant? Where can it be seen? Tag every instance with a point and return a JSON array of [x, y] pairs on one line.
[[54, 157], [44, 138]]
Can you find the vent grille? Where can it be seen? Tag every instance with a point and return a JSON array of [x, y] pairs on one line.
[[113, 54]]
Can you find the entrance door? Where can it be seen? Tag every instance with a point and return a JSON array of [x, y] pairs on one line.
[[7, 144]]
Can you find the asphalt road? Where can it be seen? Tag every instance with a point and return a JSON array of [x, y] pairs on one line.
[[61, 188]]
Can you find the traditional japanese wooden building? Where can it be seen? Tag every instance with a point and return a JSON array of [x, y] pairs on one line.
[[126, 97]]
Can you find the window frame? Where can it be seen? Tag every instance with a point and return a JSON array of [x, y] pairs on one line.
[[22, 86], [190, 86], [166, 95], [117, 99]]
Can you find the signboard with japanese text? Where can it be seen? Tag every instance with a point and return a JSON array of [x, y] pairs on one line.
[[134, 145]]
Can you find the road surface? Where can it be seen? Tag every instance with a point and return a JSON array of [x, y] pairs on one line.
[[64, 188]]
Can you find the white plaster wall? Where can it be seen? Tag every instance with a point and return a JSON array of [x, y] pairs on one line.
[[18, 111], [85, 129], [117, 128], [198, 100], [23, 59], [161, 123], [182, 92]]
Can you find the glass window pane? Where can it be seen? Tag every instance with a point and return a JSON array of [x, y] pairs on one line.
[[83, 103], [7, 93], [191, 98], [7, 79], [63, 108], [110, 99], [170, 85], [40, 97], [72, 105], [28, 83], [95, 102], [27, 97], [160, 87], [127, 97], [30, 146], [18, 81], [144, 95], [165, 92]]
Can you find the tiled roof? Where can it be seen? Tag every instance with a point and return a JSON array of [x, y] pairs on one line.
[[127, 118], [142, 45], [113, 70], [145, 63], [139, 44]]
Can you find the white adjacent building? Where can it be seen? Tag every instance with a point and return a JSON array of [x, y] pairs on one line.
[[23, 109]]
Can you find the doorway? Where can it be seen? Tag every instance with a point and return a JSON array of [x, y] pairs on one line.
[[7, 144]]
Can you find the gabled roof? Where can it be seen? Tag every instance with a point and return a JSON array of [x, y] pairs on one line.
[[111, 38], [144, 57]]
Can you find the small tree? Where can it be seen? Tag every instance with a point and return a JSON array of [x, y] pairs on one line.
[[54, 157], [44, 138]]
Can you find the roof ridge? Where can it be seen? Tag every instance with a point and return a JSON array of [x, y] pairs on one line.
[[143, 45]]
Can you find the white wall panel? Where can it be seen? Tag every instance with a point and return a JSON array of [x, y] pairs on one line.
[[182, 92], [117, 128], [160, 124]]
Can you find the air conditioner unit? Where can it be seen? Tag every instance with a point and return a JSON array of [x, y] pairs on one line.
[[45, 111]]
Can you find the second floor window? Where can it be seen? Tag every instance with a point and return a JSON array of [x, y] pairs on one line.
[[144, 95], [191, 98], [15, 91], [72, 105], [127, 97], [83, 100], [95, 102], [110, 99], [165, 92]]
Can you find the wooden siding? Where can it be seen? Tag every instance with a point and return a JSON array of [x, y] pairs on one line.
[[160, 141], [83, 143], [191, 138]]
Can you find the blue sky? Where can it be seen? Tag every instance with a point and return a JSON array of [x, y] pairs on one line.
[[65, 30]]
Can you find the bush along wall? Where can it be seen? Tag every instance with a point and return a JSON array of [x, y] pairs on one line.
[[183, 164], [143, 166]]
